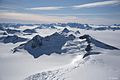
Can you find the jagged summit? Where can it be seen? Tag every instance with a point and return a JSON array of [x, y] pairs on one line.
[[37, 37], [97, 43], [36, 41], [55, 43], [55, 34], [29, 31], [65, 30], [12, 39], [77, 32], [71, 36], [38, 45], [12, 31], [92, 41], [3, 33]]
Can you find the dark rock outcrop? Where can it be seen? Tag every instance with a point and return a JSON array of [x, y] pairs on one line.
[[12, 39], [38, 45]]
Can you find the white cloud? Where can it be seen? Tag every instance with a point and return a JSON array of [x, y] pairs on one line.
[[88, 5], [97, 4], [38, 18], [45, 8], [35, 17]]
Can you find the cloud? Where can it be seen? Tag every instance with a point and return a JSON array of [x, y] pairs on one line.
[[88, 5], [97, 4], [45, 8], [38, 18], [35, 17]]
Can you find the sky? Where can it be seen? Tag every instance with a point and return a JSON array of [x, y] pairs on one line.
[[60, 11]]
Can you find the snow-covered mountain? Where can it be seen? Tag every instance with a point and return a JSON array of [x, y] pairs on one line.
[[97, 43], [59, 51], [65, 31], [61, 42], [80, 60], [29, 31], [84, 47], [12, 31], [12, 39], [38, 45], [54, 26], [3, 33]]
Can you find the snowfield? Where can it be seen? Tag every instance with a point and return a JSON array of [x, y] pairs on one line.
[[72, 63]]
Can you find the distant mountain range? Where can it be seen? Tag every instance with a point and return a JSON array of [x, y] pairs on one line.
[[54, 26], [12, 39]]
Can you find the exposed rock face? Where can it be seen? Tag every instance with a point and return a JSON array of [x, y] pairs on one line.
[[36, 41], [29, 31], [60, 43], [38, 45], [88, 48], [77, 32], [97, 43], [65, 30], [12, 39], [71, 36], [3, 33], [12, 31]]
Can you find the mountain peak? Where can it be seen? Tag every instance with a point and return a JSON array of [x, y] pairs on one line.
[[12, 39], [29, 31], [36, 41], [96, 42], [65, 30]]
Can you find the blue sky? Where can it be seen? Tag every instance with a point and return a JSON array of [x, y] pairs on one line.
[[50, 11]]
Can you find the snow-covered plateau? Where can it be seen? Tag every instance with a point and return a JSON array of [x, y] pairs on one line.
[[59, 53]]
